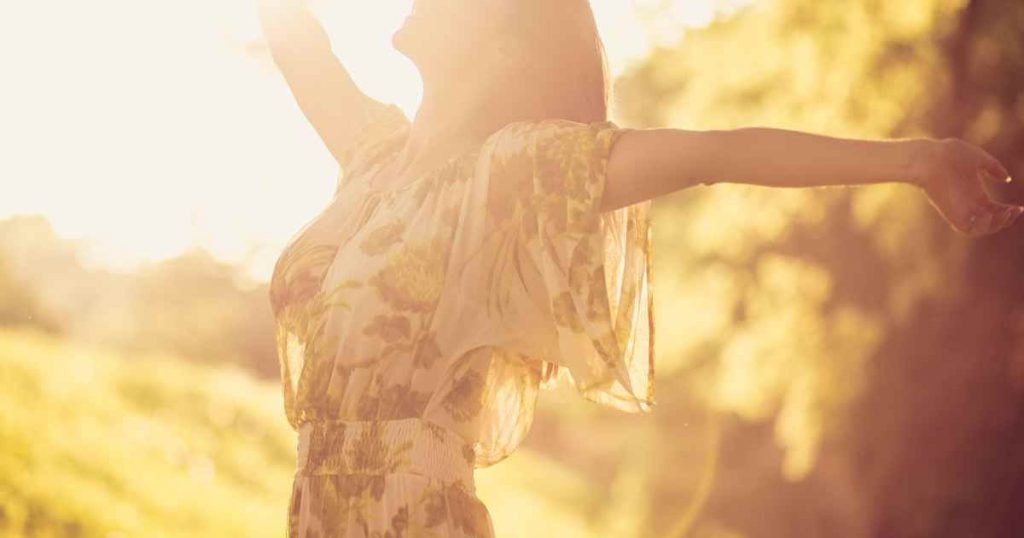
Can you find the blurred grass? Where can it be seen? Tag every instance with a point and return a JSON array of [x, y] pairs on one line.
[[97, 444]]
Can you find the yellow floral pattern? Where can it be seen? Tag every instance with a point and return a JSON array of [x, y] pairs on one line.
[[415, 324]]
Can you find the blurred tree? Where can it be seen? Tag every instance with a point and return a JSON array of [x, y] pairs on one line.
[[192, 305], [19, 305], [837, 314], [41, 274]]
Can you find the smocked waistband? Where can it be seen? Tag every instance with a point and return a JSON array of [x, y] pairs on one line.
[[381, 447]]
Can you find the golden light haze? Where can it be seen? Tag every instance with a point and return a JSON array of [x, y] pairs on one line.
[[146, 128], [829, 361]]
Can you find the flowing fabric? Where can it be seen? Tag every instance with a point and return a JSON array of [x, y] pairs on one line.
[[416, 323]]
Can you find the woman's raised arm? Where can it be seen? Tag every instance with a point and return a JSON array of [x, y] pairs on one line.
[[646, 163], [323, 89]]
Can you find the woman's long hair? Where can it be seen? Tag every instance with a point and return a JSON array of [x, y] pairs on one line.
[[567, 74]]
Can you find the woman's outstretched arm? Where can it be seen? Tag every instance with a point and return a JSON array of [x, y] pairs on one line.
[[647, 163], [322, 87]]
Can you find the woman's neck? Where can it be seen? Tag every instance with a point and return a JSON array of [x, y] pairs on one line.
[[452, 119]]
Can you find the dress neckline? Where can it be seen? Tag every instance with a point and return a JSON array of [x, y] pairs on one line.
[[436, 171], [364, 178]]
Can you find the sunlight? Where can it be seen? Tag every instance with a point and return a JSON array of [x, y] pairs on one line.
[[146, 128], [808, 352]]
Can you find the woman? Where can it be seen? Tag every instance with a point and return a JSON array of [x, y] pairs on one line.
[[467, 255]]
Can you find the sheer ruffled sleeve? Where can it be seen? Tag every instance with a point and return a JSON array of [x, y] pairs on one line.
[[592, 312], [540, 281]]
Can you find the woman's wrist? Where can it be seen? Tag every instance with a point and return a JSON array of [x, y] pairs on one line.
[[919, 160]]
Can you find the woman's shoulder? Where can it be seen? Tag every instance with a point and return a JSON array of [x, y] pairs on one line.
[[531, 134], [549, 124], [550, 142]]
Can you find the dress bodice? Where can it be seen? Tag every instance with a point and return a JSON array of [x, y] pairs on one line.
[[455, 295]]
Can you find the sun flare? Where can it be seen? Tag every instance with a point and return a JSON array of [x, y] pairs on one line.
[[175, 131]]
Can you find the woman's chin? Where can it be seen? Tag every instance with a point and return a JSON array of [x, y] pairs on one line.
[[401, 41], [408, 45]]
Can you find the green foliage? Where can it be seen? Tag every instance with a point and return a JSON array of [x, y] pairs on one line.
[[192, 305], [195, 306], [99, 445], [814, 314], [19, 306], [826, 332], [785, 294]]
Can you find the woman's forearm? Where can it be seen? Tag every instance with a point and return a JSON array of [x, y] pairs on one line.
[[291, 29], [651, 162], [784, 158], [647, 163]]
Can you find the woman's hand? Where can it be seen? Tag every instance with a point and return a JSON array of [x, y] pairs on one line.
[[952, 173], [325, 92]]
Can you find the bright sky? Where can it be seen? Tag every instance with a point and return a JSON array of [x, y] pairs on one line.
[[145, 127]]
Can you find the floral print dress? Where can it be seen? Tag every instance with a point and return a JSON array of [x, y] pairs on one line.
[[416, 323]]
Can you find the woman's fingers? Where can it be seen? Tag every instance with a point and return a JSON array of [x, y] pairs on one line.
[[994, 168], [1010, 215], [1003, 216], [990, 218], [966, 202], [982, 223], [1016, 215]]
